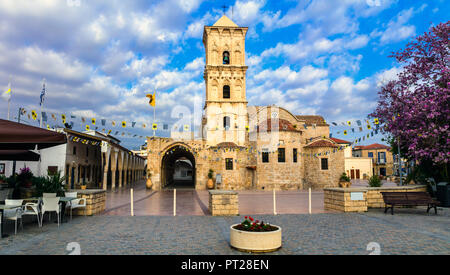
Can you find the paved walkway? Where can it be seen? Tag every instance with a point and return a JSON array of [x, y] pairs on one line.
[[409, 231], [195, 202]]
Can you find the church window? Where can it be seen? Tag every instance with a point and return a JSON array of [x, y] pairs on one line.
[[226, 91], [294, 152], [226, 58], [281, 155], [324, 163], [226, 122], [265, 157], [229, 164]]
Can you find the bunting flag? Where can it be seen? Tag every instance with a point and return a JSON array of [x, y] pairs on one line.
[[376, 121], [48, 126], [247, 128], [44, 116], [124, 124], [87, 127], [33, 114], [345, 132], [166, 127], [132, 124], [369, 127], [109, 132], [186, 128], [93, 121], [349, 123], [113, 123], [154, 127], [63, 118], [152, 99]]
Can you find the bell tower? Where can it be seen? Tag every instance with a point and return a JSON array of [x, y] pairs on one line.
[[226, 117]]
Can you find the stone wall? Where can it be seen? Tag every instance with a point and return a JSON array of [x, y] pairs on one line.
[[286, 175], [95, 202], [223, 203], [375, 198], [339, 199], [317, 178]]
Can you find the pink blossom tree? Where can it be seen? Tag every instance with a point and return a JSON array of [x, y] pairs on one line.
[[415, 108]]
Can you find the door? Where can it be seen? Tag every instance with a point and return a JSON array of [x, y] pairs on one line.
[[383, 171], [352, 174], [357, 174]]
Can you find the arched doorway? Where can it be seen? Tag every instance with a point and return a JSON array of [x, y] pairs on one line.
[[178, 168]]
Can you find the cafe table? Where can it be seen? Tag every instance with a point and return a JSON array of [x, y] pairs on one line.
[[2, 208], [62, 200]]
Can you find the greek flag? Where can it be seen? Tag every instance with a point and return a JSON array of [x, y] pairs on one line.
[[42, 95]]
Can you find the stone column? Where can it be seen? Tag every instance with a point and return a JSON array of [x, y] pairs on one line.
[[105, 169]]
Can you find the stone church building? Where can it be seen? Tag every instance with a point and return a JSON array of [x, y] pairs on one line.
[[247, 147]]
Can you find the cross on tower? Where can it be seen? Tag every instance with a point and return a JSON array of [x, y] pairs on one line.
[[224, 8]]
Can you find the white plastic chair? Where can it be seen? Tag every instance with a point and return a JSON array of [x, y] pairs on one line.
[[49, 195], [32, 209], [14, 214], [50, 205], [76, 203]]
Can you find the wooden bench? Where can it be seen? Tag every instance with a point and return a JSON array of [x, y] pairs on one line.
[[408, 199]]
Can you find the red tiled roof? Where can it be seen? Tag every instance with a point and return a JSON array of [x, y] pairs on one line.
[[226, 144], [372, 147], [318, 120], [321, 143], [283, 125], [340, 141]]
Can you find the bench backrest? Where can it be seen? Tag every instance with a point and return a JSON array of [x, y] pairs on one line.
[[406, 196]]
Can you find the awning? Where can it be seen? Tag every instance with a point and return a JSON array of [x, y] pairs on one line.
[[17, 136], [23, 155]]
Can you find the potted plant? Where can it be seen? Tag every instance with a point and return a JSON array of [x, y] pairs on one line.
[[375, 181], [2, 179], [149, 183], [254, 236], [210, 183], [344, 181], [53, 183], [25, 176]]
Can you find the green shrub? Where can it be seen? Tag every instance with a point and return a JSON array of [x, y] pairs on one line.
[[50, 184], [344, 177], [374, 181]]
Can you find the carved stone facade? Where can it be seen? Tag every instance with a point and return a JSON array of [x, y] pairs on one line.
[[247, 147]]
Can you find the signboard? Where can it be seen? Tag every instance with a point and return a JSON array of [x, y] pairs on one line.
[[356, 196], [218, 179]]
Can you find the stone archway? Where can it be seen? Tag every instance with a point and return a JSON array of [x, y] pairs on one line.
[[178, 168]]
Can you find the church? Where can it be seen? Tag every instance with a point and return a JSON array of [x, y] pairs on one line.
[[247, 147]]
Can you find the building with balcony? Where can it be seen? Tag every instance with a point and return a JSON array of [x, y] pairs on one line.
[[381, 155]]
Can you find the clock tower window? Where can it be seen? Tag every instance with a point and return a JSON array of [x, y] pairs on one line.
[[226, 58]]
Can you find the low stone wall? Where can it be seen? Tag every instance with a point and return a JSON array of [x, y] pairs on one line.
[[348, 199], [375, 198], [223, 203], [342, 199], [95, 201]]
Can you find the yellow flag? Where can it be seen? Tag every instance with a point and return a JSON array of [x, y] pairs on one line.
[[349, 123], [34, 114], [186, 127], [113, 123], [155, 126], [345, 132], [63, 118], [87, 127], [376, 121], [48, 127], [93, 121], [151, 99], [124, 124]]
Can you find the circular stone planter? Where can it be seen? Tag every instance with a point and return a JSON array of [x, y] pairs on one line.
[[255, 241]]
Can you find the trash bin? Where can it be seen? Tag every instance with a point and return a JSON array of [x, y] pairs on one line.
[[443, 193]]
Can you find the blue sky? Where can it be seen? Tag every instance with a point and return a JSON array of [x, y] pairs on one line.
[[100, 58]]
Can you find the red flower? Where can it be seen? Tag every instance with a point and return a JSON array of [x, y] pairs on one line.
[[251, 218], [245, 217]]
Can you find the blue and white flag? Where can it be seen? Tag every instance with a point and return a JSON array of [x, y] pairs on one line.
[[42, 95]]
